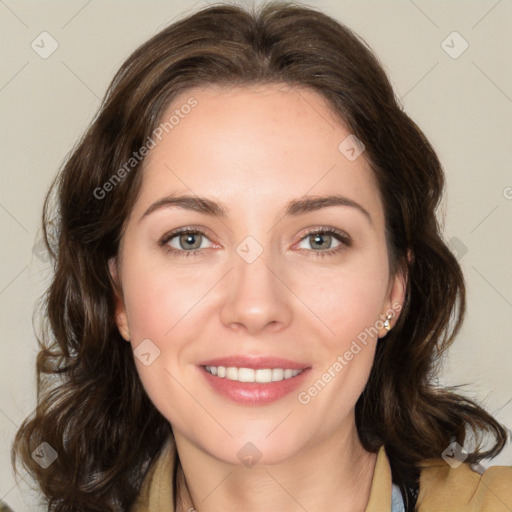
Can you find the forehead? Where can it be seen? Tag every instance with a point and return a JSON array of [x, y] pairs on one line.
[[269, 141]]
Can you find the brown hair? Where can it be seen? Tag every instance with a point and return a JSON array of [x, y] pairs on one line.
[[92, 408]]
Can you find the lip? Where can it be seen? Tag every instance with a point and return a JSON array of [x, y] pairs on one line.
[[253, 393], [255, 362]]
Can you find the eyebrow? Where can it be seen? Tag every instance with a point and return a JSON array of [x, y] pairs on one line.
[[215, 209]]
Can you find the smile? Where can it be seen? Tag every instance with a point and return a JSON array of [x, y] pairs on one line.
[[253, 386]]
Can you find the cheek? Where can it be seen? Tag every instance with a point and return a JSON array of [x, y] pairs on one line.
[[349, 308], [166, 305], [347, 302], [159, 297], [160, 308]]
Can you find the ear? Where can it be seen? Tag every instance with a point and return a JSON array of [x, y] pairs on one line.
[[395, 297], [121, 316]]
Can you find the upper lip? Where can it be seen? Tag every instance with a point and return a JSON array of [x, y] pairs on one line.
[[254, 362]]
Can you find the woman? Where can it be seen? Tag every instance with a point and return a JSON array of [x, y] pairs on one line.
[[251, 293]]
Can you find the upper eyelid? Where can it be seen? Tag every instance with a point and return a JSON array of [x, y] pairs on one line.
[[326, 229], [185, 229]]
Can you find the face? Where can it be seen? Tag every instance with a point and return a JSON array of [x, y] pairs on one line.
[[244, 280]]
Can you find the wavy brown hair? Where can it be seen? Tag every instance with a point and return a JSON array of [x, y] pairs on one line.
[[92, 408]]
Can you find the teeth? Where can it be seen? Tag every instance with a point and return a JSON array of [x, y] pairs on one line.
[[263, 375], [277, 374], [288, 374]]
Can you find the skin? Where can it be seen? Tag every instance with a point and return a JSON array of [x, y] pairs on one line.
[[254, 149]]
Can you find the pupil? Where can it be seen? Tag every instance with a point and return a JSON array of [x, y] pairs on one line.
[[318, 238]]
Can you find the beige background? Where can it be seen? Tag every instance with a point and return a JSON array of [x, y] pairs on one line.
[[464, 105]]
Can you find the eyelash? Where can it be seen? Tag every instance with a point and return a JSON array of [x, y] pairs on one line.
[[345, 240]]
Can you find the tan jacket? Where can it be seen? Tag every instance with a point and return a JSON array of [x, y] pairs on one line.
[[442, 488]]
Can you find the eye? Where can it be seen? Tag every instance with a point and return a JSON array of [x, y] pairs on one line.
[[323, 239], [189, 242], [184, 242]]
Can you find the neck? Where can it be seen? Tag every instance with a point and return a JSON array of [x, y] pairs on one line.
[[335, 474]]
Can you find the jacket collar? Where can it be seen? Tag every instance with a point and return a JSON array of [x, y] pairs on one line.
[[157, 489]]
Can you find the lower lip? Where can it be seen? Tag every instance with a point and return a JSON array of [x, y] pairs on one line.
[[253, 393]]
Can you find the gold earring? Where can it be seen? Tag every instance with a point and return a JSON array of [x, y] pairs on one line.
[[387, 325]]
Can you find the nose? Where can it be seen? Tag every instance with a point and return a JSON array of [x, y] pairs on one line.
[[256, 297]]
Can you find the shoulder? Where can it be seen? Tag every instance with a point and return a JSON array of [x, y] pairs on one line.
[[443, 488]]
